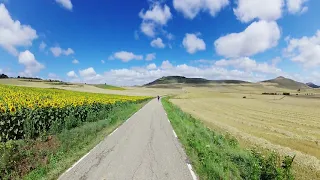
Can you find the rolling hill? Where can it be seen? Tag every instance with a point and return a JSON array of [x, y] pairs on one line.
[[194, 81], [286, 83], [310, 84]]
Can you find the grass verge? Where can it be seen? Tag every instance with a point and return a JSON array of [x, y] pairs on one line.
[[48, 158], [106, 86], [216, 156]]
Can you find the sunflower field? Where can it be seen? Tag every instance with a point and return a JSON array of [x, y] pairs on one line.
[[31, 112]]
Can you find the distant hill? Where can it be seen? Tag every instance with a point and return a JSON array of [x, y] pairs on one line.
[[310, 84], [184, 80], [286, 83]]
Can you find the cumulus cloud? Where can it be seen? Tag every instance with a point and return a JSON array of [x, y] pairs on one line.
[[75, 61], [157, 43], [150, 57], [158, 14], [248, 64], [72, 74], [193, 44], [256, 38], [42, 46], [66, 4], [166, 65], [30, 63], [248, 10], [191, 8], [155, 18], [89, 72], [148, 28], [297, 6], [305, 50], [57, 51], [125, 56], [14, 34], [152, 66]]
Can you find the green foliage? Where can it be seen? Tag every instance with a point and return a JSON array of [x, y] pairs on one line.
[[215, 156], [32, 123]]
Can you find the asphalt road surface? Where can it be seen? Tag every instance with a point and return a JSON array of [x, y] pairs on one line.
[[145, 147]]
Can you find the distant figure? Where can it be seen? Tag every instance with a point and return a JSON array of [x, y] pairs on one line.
[[158, 98]]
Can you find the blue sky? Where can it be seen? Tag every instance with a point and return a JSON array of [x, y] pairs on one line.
[[133, 42]]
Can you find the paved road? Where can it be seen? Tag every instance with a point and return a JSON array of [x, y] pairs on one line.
[[145, 148]]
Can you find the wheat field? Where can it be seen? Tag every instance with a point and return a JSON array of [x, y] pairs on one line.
[[288, 125]]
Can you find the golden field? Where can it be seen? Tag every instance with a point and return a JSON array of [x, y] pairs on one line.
[[288, 125]]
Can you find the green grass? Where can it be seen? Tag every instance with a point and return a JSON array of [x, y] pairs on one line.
[[50, 157], [106, 86], [215, 156]]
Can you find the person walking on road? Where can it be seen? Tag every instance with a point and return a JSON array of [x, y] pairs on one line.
[[158, 98]]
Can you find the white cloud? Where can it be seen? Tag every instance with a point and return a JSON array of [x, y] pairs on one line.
[[30, 63], [125, 56], [57, 51], [72, 74], [256, 38], [151, 57], [204, 61], [155, 18], [13, 33], [148, 28], [166, 65], [157, 14], [190, 8], [248, 10], [297, 6], [68, 52], [75, 61], [305, 50], [193, 44], [65, 3], [102, 61], [42, 46], [89, 72], [157, 43], [249, 65], [152, 66]]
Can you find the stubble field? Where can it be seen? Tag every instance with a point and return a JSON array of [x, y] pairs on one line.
[[288, 125]]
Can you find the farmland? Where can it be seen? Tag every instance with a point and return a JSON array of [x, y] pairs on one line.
[[288, 125], [41, 123]]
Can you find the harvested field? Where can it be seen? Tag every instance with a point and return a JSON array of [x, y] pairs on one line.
[[289, 125]]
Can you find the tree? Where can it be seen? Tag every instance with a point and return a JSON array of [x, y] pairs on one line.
[[3, 76]]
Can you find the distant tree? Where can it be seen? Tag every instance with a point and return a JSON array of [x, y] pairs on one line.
[[18, 77], [3, 76]]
